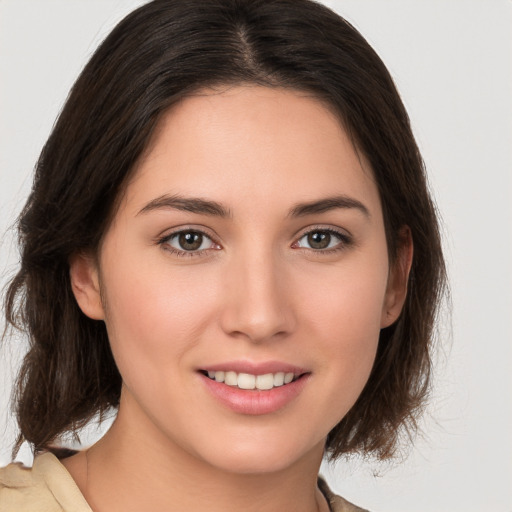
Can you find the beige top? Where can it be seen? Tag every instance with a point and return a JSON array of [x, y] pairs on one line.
[[48, 487]]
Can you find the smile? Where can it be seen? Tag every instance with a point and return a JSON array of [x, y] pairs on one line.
[[249, 381], [264, 391]]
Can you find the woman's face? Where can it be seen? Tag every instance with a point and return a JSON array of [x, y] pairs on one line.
[[248, 250]]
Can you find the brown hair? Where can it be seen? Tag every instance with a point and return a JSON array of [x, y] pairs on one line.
[[158, 54]]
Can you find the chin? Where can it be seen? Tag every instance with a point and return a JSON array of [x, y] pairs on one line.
[[245, 458]]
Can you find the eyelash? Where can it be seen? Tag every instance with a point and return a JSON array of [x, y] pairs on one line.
[[344, 242], [165, 243]]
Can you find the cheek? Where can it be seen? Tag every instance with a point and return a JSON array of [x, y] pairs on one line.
[[343, 317], [153, 318], [347, 299]]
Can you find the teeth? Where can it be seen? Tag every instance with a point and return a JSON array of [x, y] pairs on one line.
[[279, 379], [231, 379], [265, 381], [248, 381]]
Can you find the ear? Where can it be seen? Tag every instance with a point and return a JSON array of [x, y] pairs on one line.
[[396, 290], [83, 271]]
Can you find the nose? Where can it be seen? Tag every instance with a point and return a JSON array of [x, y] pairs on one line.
[[258, 304]]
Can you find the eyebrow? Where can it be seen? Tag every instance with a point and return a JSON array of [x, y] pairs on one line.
[[187, 204], [327, 204], [215, 209]]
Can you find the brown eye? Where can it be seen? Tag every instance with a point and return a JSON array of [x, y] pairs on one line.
[[319, 239], [322, 239], [190, 241]]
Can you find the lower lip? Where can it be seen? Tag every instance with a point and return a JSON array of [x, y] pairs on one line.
[[255, 402]]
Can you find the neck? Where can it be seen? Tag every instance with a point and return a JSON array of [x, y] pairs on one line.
[[133, 469]]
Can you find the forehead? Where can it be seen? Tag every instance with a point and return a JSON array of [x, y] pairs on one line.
[[250, 141]]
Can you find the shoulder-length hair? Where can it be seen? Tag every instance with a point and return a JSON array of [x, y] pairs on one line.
[[160, 53]]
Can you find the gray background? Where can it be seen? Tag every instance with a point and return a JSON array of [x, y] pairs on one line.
[[452, 61]]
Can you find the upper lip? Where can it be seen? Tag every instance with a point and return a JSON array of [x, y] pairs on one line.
[[255, 368]]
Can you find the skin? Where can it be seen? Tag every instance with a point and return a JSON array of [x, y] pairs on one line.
[[255, 291]]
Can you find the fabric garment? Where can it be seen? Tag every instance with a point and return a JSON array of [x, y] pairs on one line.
[[48, 487]]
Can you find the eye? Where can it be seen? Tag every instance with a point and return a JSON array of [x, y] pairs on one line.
[[188, 241], [322, 239]]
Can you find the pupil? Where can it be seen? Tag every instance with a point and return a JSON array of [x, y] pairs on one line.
[[190, 241], [319, 239]]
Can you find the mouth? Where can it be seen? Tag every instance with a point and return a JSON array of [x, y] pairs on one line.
[[248, 381], [251, 388]]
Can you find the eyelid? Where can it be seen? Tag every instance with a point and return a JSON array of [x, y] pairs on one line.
[[168, 232], [346, 238], [167, 235], [323, 227]]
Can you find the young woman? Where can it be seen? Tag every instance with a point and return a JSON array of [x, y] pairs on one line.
[[230, 240]]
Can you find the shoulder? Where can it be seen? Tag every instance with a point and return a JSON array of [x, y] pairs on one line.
[[47, 486], [337, 503]]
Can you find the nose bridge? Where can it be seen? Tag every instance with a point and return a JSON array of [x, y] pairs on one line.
[[257, 298]]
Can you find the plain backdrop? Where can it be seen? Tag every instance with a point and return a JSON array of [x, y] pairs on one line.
[[452, 62]]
